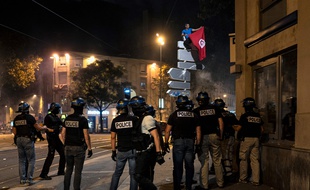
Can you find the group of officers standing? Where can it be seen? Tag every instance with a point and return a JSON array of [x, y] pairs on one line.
[[136, 137], [71, 145], [208, 130]]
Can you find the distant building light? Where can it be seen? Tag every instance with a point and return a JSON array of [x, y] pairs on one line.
[[95, 112]]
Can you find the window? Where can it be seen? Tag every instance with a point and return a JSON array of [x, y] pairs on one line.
[[62, 77], [271, 11], [143, 84], [265, 78], [275, 84], [143, 68], [288, 94], [62, 61]]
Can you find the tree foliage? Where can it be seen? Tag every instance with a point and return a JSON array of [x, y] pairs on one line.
[[99, 83], [21, 73]]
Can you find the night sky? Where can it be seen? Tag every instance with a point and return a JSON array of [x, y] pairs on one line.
[[118, 28]]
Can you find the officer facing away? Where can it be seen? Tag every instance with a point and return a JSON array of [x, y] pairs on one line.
[[186, 133], [227, 145], [144, 137], [211, 129], [152, 112], [54, 123], [121, 128], [25, 129], [249, 134], [77, 140]]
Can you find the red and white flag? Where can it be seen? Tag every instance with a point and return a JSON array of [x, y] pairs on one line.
[[198, 39]]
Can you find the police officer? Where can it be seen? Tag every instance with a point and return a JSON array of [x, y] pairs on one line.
[[121, 128], [54, 123], [186, 133], [25, 129], [227, 145], [211, 129], [77, 140], [144, 137], [152, 112], [250, 132]]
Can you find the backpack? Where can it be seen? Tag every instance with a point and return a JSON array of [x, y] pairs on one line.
[[140, 140]]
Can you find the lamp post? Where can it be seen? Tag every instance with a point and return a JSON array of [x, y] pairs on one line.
[[161, 42]]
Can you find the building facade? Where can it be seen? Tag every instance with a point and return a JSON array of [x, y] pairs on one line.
[[140, 73], [272, 66]]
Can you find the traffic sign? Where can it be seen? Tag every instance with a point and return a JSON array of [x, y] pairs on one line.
[[190, 66], [179, 85], [175, 93], [181, 44], [184, 55], [179, 74]]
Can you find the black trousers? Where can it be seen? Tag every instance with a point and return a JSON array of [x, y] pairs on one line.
[[187, 43], [54, 144], [144, 170]]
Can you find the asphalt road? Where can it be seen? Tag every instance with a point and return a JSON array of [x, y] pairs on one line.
[[9, 176]]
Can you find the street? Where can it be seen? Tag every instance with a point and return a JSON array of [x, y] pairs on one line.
[[97, 172]]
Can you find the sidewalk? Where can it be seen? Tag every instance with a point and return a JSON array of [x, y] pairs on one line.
[[96, 179], [98, 171]]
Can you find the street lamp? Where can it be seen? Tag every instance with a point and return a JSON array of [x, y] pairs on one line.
[[161, 42]]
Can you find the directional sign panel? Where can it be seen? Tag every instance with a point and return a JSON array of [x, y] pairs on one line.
[[181, 44], [179, 74], [179, 85], [184, 55], [175, 93], [190, 65]]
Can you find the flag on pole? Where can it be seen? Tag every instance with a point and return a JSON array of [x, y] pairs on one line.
[[198, 39]]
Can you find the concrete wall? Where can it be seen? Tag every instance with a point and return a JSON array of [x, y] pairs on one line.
[[283, 166]]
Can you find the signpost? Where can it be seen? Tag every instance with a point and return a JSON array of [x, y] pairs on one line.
[[179, 85], [179, 74], [184, 55], [178, 92], [189, 65]]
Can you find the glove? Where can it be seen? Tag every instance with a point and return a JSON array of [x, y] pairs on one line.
[[159, 158], [166, 148], [113, 155], [198, 149], [90, 153]]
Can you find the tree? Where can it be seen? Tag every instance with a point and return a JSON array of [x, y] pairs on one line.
[[100, 84], [17, 74]]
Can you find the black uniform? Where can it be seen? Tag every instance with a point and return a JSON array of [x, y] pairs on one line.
[[122, 125], [227, 145], [52, 121], [25, 138], [251, 127], [209, 119], [184, 123], [75, 148]]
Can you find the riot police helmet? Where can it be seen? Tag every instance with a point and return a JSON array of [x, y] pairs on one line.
[[219, 103], [190, 105], [138, 105], [23, 107], [150, 110], [248, 102], [54, 108], [182, 101], [78, 103], [121, 105], [203, 98]]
